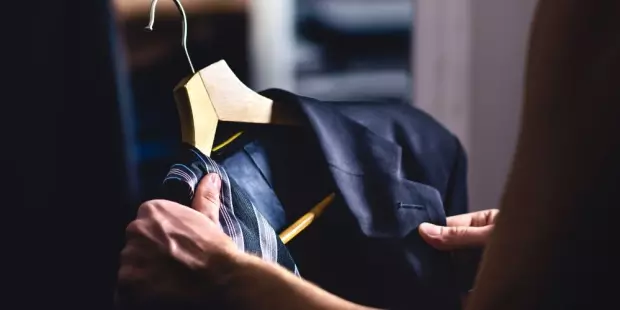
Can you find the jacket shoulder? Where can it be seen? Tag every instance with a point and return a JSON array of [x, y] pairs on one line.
[[431, 154], [401, 123]]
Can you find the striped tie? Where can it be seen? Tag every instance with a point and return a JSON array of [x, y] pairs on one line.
[[239, 219]]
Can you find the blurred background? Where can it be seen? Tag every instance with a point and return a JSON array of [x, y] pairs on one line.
[[459, 60], [326, 49]]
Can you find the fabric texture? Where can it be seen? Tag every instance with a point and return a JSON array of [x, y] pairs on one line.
[[239, 218]]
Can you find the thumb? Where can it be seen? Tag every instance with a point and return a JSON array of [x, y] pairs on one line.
[[454, 238], [207, 197]]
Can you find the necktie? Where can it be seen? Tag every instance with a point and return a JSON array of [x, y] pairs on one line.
[[239, 219]]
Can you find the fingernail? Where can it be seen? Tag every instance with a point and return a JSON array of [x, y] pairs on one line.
[[214, 180], [430, 229]]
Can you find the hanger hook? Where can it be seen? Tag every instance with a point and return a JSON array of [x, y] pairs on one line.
[[149, 27]]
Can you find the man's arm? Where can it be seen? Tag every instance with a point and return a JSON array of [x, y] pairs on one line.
[[255, 284], [201, 264], [556, 204]]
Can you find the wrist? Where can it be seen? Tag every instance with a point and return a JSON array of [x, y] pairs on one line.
[[234, 278], [213, 280], [226, 266]]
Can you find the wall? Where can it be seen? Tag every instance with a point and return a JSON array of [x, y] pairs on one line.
[[272, 42], [468, 66]]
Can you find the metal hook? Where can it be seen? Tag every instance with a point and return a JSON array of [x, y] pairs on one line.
[[149, 27]]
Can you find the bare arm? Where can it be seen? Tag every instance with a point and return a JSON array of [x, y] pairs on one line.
[[556, 195], [202, 266], [255, 284]]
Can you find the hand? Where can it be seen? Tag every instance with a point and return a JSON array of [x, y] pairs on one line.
[[172, 251], [463, 231]]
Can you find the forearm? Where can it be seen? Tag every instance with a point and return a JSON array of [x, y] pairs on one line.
[[257, 285], [570, 128]]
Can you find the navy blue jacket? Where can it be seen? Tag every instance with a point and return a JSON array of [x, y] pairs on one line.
[[391, 166], [394, 167]]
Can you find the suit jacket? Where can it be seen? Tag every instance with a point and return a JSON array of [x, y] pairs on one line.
[[393, 167]]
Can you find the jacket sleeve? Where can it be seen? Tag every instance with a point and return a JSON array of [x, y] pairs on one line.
[[456, 198]]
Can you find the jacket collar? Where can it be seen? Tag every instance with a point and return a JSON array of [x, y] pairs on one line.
[[366, 168], [346, 144]]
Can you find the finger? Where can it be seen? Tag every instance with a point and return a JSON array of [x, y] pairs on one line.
[[136, 229], [151, 208], [137, 253], [454, 238], [207, 198], [477, 219]]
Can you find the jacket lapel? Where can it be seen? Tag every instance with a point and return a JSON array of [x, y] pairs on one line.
[[367, 171]]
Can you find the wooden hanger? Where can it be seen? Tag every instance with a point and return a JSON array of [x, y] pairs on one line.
[[215, 94]]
